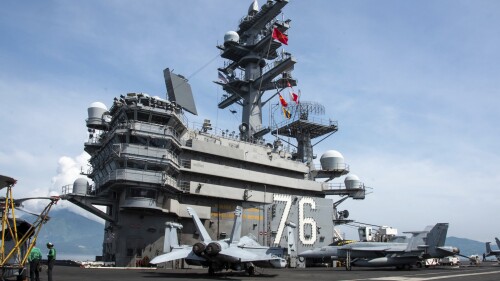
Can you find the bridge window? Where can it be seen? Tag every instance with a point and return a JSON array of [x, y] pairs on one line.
[[141, 192]]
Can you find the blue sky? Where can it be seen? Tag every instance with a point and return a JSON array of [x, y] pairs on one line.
[[414, 85]]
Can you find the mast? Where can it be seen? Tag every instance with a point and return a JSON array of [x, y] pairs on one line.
[[253, 66]]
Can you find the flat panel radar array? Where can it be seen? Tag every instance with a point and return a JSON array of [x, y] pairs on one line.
[[179, 91]]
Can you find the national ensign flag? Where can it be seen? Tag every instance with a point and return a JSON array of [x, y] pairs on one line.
[[286, 113], [294, 97], [283, 101], [222, 78], [280, 36]]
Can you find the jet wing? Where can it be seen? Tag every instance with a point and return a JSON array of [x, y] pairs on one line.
[[176, 254], [368, 249], [244, 255], [380, 251]]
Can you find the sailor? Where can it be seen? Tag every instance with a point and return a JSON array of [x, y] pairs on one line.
[[51, 258], [34, 260]]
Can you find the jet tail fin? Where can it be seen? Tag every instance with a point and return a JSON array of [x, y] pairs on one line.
[[434, 243], [488, 248], [236, 232], [498, 242], [417, 240], [437, 235], [171, 240], [205, 237]]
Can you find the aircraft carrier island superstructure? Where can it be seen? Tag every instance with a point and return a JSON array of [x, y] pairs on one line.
[[148, 163]]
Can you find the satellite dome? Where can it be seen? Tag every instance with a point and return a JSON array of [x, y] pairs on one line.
[[332, 160], [80, 186], [351, 177], [231, 37], [96, 111], [98, 104], [352, 181]]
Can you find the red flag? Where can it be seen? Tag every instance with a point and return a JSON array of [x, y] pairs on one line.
[[286, 113], [283, 101], [294, 97], [278, 35]]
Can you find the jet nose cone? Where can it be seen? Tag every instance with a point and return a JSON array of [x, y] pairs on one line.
[[307, 254]]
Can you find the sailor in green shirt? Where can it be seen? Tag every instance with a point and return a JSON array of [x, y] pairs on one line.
[[51, 258], [34, 259]]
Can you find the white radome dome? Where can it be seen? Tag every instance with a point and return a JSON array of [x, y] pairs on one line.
[[95, 113], [352, 181], [80, 186], [351, 177], [332, 153], [231, 36], [332, 160], [98, 104]]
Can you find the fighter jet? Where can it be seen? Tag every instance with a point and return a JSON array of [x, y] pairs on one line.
[[235, 253], [423, 244], [490, 252]]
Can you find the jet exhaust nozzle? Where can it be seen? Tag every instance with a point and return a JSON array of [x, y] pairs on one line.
[[213, 249], [199, 248]]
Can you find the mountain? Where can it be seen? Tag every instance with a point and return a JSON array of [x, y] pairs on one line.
[[467, 246], [74, 236]]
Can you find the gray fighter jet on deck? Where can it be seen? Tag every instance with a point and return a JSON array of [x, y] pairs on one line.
[[235, 253], [490, 252], [423, 244]]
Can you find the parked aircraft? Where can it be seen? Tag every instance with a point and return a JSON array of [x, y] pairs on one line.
[[490, 252], [423, 244], [237, 253]]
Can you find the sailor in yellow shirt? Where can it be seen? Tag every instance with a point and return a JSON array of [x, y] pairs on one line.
[[34, 259]]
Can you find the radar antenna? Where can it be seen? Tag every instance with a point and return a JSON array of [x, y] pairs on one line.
[[304, 128]]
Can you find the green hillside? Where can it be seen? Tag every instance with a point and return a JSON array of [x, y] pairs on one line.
[[74, 236], [469, 247]]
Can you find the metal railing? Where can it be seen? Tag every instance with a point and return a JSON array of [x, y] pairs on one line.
[[341, 186]]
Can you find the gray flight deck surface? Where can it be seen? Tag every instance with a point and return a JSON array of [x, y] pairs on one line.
[[485, 271]]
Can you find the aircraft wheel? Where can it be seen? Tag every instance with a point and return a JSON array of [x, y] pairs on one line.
[[211, 271], [251, 270]]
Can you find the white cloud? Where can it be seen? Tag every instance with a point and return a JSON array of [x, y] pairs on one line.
[[69, 169], [67, 172]]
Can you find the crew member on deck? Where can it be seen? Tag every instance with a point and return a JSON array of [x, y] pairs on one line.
[[51, 258], [34, 259]]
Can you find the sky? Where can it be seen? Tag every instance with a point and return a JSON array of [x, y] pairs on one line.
[[414, 86]]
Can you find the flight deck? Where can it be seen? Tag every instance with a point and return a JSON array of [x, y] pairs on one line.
[[485, 271]]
